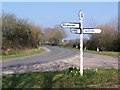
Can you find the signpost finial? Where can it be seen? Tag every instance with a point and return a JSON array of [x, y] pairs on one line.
[[81, 15]]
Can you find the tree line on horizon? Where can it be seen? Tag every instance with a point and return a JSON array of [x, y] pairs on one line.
[[20, 34]]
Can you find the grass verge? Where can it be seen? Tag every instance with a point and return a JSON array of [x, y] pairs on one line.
[[20, 54], [97, 52], [101, 78], [103, 52]]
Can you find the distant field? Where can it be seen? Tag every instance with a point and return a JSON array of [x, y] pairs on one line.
[[24, 53], [101, 78]]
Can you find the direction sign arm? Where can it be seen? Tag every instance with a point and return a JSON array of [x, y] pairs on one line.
[[91, 30]]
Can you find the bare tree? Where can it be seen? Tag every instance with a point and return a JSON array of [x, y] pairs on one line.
[[55, 35], [106, 40]]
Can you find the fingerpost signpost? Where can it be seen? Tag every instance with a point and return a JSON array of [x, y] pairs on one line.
[[77, 28]]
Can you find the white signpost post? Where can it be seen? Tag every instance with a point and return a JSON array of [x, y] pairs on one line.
[[77, 28]]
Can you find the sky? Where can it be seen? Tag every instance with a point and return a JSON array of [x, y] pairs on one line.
[[50, 14]]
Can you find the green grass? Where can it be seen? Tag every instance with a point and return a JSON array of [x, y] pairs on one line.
[[109, 53], [100, 78], [20, 54], [103, 52]]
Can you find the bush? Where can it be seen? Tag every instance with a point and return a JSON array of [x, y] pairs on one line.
[[18, 34]]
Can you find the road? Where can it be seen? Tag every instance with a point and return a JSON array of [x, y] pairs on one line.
[[55, 53]]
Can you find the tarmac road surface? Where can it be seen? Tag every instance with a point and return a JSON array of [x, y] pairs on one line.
[[55, 53]]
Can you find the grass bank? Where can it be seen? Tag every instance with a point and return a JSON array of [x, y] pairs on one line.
[[101, 78], [23, 53]]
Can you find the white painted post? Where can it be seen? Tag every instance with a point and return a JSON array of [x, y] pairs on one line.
[[97, 49], [81, 54], [81, 43]]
